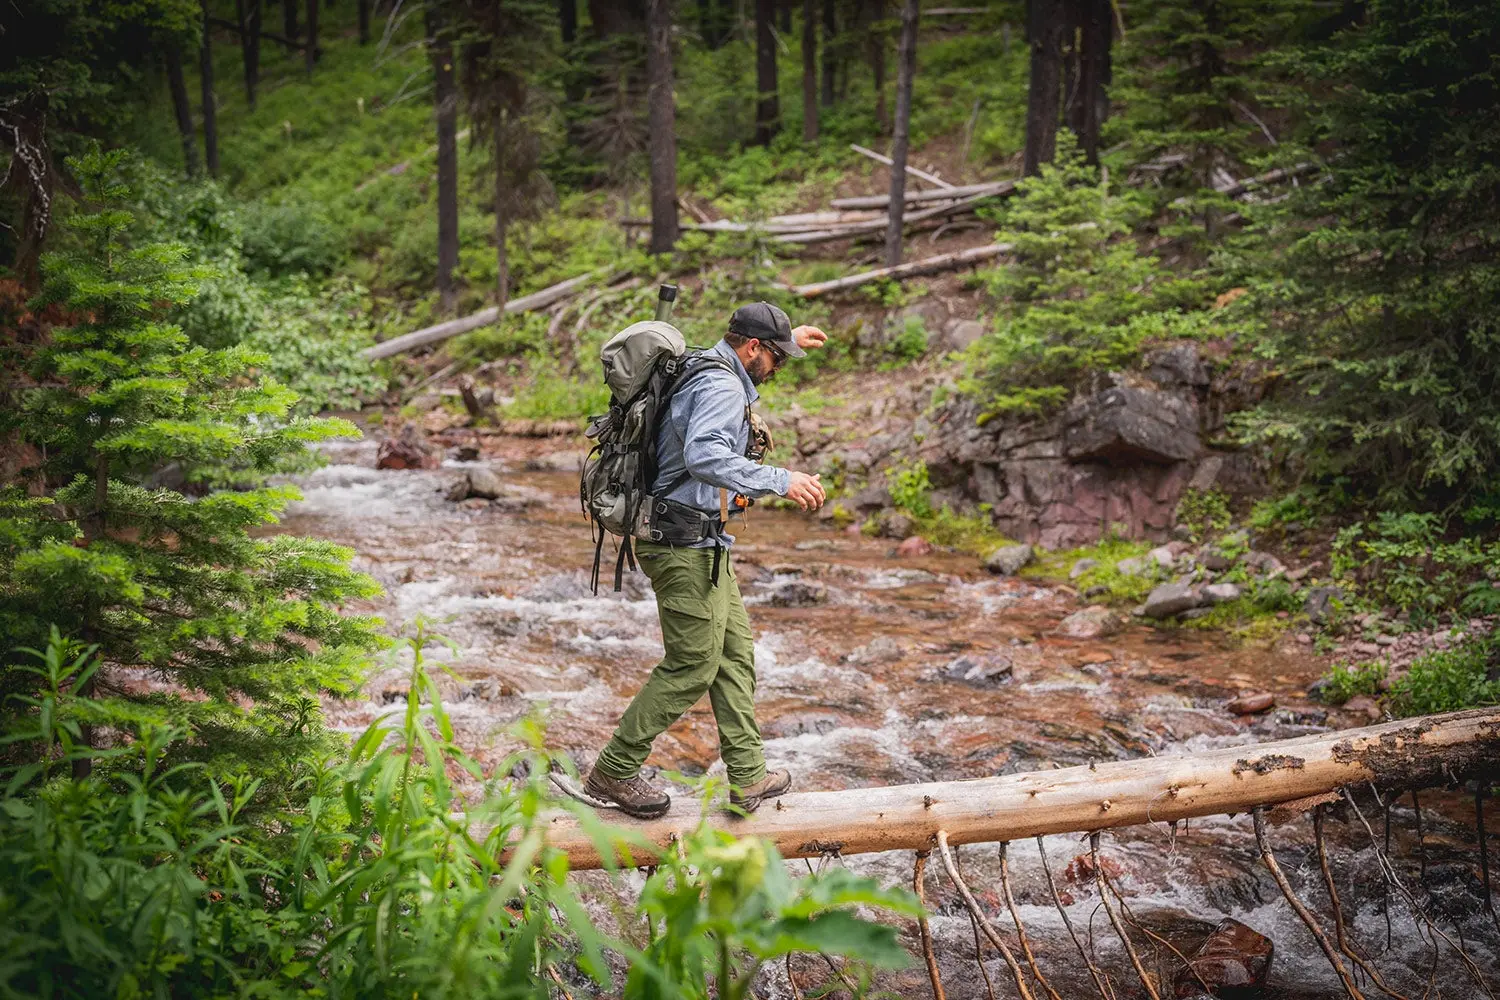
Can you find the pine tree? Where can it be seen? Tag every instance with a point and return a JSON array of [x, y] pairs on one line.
[[169, 587], [1381, 283]]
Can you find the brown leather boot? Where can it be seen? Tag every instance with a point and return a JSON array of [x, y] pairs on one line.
[[635, 796], [750, 797]]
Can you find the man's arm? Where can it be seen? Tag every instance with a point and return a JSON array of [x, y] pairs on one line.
[[716, 415]]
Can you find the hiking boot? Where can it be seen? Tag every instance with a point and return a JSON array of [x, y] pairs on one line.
[[750, 797], [635, 796]]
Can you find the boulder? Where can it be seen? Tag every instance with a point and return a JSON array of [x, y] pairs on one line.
[[1170, 599], [1163, 556], [1219, 593], [1094, 622], [484, 483], [1008, 560], [1319, 602], [980, 670], [1125, 424], [1177, 366], [961, 333], [798, 594], [1233, 957], [870, 498], [1131, 566], [894, 524], [1081, 567], [406, 451], [1251, 704], [914, 547]]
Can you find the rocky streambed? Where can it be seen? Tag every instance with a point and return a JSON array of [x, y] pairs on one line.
[[880, 667]]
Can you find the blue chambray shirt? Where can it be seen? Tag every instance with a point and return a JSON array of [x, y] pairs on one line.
[[705, 432]]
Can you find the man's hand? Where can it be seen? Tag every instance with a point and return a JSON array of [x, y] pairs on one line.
[[809, 336], [804, 490]]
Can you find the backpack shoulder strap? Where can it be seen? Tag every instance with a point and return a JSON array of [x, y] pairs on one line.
[[696, 365]]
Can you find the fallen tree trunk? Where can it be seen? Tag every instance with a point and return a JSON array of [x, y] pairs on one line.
[[454, 327], [1413, 752], [930, 265], [998, 189], [879, 225], [881, 158]]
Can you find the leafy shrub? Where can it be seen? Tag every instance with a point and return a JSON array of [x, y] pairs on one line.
[[1400, 560], [290, 238], [1467, 676], [310, 336], [1301, 505], [909, 487], [1344, 682], [1205, 512], [911, 343], [550, 394]]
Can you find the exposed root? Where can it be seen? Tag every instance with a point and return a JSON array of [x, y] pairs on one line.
[[1015, 915], [1297, 906], [984, 922], [1101, 982], [989, 987], [791, 979], [918, 870], [1338, 912], [1135, 960]]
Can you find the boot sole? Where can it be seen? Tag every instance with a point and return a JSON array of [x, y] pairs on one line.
[[638, 812]]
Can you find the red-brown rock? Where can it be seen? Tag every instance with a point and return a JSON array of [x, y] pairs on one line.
[[1250, 704], [913, 547], [1232, 957], [406, 451]]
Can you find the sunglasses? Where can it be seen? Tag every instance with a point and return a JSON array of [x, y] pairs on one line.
[[777, 353]]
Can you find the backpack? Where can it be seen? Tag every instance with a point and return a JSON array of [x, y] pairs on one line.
[[644, 366]]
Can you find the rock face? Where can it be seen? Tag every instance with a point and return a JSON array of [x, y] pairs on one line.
[[1233, 957], [1125, 424], [1009, 559]]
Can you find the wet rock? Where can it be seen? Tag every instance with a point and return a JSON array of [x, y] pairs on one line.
[[457, 490], [1008, 560], [1094, 622], [983, 670], [798, 594], [466, 453], [406, 451], [914, 547], [800, 724], [882, 649], [1128, 424], [1218, 593], [1319, 602], [894, 524], [481, 483], [1233, 957], [1081, 567], [1251, 704], [1170, 599]]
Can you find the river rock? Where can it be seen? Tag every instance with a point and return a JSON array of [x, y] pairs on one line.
[[1008, 560], [894, 524], [1130, 424], [1093, 622], [1081, 567], [1233, 957], [1318, 604], [1218, 593], [880, 650], [914, 547], [798, 594], [1250, 704], [1163, 556], [1130, 566], [406, 451], [1170, 599], [800, 724], [484, 483], [980, 670]]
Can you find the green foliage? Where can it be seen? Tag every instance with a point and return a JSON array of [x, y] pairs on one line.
[[551, 394], [1205, 512], [1380, 285], [1302, 506], [290, 238], [369, 874], [1079, 297], [1120, 587], [1344, 681], [1402, 561], [909, 487], [188, 590], [1466, 676], [910, 343], [310, 337]]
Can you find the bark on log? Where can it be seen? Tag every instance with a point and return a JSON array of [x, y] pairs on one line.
[[881, 158], [1410, 752], [454, 327], [844, 232], [997, 189], [931, 265]]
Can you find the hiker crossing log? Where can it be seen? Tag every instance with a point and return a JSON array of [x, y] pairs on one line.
[[1409, 753]]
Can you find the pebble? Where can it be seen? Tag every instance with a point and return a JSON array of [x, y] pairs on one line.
[[1250, 704]]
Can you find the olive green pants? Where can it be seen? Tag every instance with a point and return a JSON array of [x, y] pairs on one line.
[[708, 648]]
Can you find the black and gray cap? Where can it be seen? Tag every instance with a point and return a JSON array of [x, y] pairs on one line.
[[764, 321]]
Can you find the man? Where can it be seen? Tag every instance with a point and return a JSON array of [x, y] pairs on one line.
[[701, 456]]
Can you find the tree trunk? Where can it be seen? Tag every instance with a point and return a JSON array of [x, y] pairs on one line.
[[1091, 101], [180, 106], [247, 21], [906, 69], [661, 126], [210, 104], [502, 218], [445, 100], [809, 71], [567, 19], [877, 62], [1434, 750], [311, 49], [830, 30], [767, 105], [1046, 22], [289, 18], [784, 12], [364, 22]]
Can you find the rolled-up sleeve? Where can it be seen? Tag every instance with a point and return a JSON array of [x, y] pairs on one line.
[[716, 419]]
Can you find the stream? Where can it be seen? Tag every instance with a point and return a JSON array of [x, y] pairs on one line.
[[874, 671]]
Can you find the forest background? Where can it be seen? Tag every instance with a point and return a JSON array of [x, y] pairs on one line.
[[212, 208]]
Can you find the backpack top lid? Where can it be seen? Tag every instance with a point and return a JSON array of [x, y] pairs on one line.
[[631, 355]]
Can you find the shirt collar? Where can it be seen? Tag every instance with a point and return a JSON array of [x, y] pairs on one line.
[[723, 350]]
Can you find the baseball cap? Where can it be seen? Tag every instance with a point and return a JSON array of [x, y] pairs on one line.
[[764, 321]]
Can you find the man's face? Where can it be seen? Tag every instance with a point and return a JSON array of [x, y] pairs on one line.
[[764, 366]]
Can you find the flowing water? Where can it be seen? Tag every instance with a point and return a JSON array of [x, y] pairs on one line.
[[903, 670]]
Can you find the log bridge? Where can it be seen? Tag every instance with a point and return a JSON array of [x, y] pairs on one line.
[[1286, 777]]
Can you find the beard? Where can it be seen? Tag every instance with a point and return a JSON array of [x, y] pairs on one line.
[[761, 370]]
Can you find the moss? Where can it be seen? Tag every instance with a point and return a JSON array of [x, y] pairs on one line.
[[1120, 588]]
